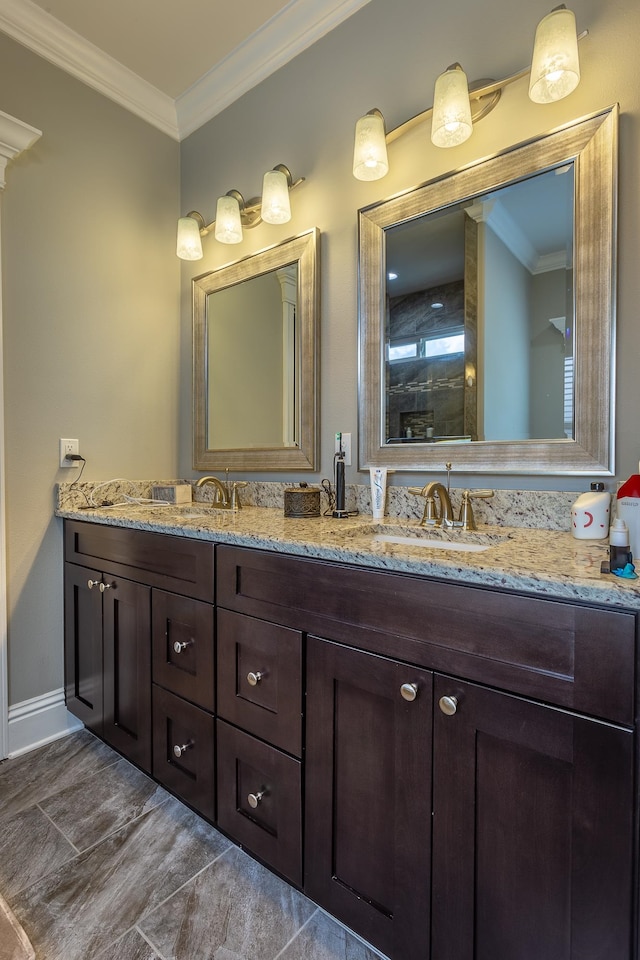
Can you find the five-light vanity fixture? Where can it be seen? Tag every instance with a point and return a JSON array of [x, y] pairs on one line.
[[554, 74], [233, 213]]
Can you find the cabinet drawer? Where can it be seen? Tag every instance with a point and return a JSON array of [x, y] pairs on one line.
[[157, 559], [569, 654], [184, 751], [183, 647], [259, 679], [259, 800]]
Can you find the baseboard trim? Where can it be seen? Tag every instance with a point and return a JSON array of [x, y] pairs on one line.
[[40, 720]]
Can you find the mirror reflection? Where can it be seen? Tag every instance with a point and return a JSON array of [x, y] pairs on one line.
[[253, 356], [460, 362]]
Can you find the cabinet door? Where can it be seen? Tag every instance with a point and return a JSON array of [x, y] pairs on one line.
[[126, 614], [83, 645], [368, 796], [532, 831]]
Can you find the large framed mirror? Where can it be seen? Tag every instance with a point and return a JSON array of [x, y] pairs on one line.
[[487, 312], [255, 349]]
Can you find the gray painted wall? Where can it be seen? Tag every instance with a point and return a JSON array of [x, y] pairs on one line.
[[388, 55], [91, 333]]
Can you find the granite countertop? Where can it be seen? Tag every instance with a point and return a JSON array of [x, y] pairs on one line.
[[544, 562]]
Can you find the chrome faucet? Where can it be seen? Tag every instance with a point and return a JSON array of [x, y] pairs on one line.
[[443, 517], [226, 498]]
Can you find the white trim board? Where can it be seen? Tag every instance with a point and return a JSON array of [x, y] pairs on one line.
[[298, 25], [40, 720]]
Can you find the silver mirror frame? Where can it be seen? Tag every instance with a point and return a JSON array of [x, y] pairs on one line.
[[593, 144], [305, 250]]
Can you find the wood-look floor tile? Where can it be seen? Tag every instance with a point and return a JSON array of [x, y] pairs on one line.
[[87, 904], [132, 946], [91, 810], [30, 848], [234, 910], [33, 776], [324, 939]]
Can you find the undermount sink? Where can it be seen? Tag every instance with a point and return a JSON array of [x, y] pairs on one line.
[[433, 538], [192, 510]]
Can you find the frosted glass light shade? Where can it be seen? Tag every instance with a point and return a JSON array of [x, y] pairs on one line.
[[370, 148], [228, 223], [189, 245], [276, 207], [555, 68], [451, 121]]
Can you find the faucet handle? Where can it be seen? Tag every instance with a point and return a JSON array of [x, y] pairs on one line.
[[480, 494], [467, 520], [235, 496]]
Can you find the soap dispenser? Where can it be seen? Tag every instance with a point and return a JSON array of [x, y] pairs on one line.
[[619, 549], [590, 514]]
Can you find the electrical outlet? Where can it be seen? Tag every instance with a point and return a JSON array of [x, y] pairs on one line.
[[68, 447], [346, 447]]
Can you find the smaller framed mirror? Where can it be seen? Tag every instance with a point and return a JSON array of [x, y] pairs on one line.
[[255, 349]]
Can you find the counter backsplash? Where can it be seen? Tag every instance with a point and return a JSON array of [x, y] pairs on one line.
[[546, 510]]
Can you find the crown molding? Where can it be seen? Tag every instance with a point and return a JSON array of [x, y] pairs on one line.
[[50, 39], [300, 24], [283, 37], [15, 136]]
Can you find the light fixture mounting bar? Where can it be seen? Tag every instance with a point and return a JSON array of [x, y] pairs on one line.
[[488, 91]]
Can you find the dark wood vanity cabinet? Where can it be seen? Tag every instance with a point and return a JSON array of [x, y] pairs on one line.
[[449, 770], [490, 814], [118, 582]]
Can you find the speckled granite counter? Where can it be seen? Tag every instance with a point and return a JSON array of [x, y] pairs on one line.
[[543, 562]]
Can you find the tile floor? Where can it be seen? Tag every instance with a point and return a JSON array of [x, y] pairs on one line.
[[98, 861]]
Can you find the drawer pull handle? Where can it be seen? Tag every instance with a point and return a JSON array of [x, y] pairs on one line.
[[409, 691], [179, 750], [448, 705], [254, 798], [92, 583], [105, 586], [180, 645], [253, 679]]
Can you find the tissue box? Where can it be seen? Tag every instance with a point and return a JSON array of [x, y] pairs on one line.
[[172, 492]]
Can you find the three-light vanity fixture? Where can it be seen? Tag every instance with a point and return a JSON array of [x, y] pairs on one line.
[[554, 74], [233, 213]]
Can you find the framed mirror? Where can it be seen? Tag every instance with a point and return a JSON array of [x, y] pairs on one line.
[[255, 349], [487, 312]]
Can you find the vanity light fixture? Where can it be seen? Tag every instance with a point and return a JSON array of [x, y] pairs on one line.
[[233, 213], [554, 74]]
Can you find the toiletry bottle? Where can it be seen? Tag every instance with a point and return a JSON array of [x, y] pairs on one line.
[[628, 509], [619, 550], [590, 514]]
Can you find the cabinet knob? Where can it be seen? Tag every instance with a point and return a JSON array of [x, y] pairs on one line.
[[253, 679], [448, 705], [178, 750], [254, 798], [92, 583], [409, 691], [180, 645], [105, 586]]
